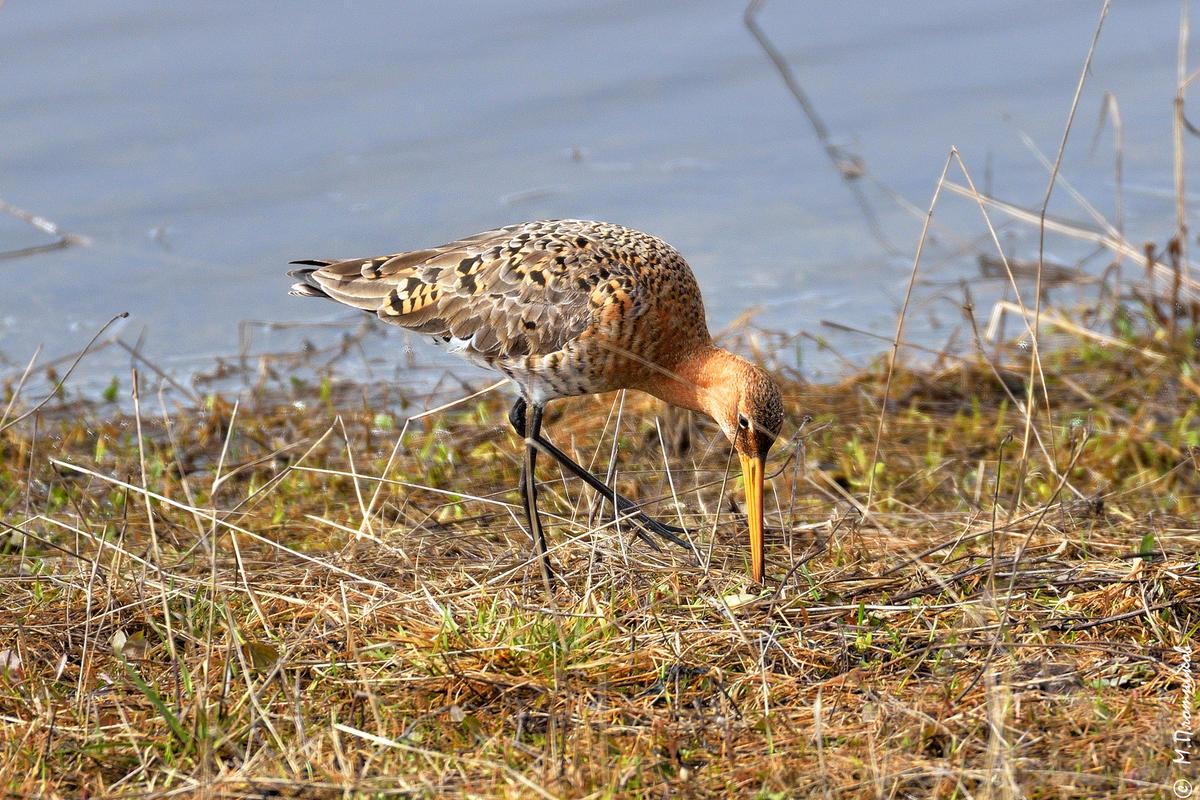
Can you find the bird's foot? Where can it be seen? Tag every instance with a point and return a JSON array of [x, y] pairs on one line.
[[668, 532]]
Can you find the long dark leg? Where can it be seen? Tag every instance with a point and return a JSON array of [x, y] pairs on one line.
[[624, 504], [531, 430]]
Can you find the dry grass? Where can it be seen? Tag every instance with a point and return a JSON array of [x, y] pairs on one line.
[[227, 632]]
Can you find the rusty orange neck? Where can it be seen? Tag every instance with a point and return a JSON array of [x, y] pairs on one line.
[[706, 380]]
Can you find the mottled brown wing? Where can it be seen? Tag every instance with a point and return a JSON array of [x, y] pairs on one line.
[[520, 290]]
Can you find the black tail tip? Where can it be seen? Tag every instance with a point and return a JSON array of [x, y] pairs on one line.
[[307, 287], [305, 290]]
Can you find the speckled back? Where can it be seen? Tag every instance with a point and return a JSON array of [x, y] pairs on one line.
[[563, 307]]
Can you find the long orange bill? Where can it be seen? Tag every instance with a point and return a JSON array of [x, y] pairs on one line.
[[752, 476]]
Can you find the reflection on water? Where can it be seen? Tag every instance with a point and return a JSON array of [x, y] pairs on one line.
[[201, 146]]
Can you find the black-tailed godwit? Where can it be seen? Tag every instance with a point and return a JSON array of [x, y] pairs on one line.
[[571, 307]]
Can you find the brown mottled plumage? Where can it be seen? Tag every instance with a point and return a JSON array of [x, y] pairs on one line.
[[569, 307]]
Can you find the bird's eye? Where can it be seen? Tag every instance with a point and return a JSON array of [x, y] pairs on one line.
[[743, 423]]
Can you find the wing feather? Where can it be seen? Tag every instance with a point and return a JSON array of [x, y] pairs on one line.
[[509, 292]]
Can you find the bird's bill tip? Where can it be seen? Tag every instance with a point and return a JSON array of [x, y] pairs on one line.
[[752, 474]]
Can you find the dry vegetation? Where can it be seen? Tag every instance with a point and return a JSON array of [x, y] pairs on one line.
[[235, 627]]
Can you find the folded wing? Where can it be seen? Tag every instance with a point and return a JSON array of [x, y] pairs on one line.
[[520, 290]]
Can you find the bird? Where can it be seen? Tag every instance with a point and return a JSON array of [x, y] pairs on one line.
[[568, 307]]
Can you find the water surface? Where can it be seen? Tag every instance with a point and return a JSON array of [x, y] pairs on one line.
[[201, 146]]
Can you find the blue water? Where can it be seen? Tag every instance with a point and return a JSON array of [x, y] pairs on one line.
[[201, 146]]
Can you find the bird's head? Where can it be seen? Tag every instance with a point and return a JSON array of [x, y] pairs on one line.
[[745, 402], [749, 409]]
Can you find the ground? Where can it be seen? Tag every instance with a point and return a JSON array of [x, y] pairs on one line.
[[228, 603]]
